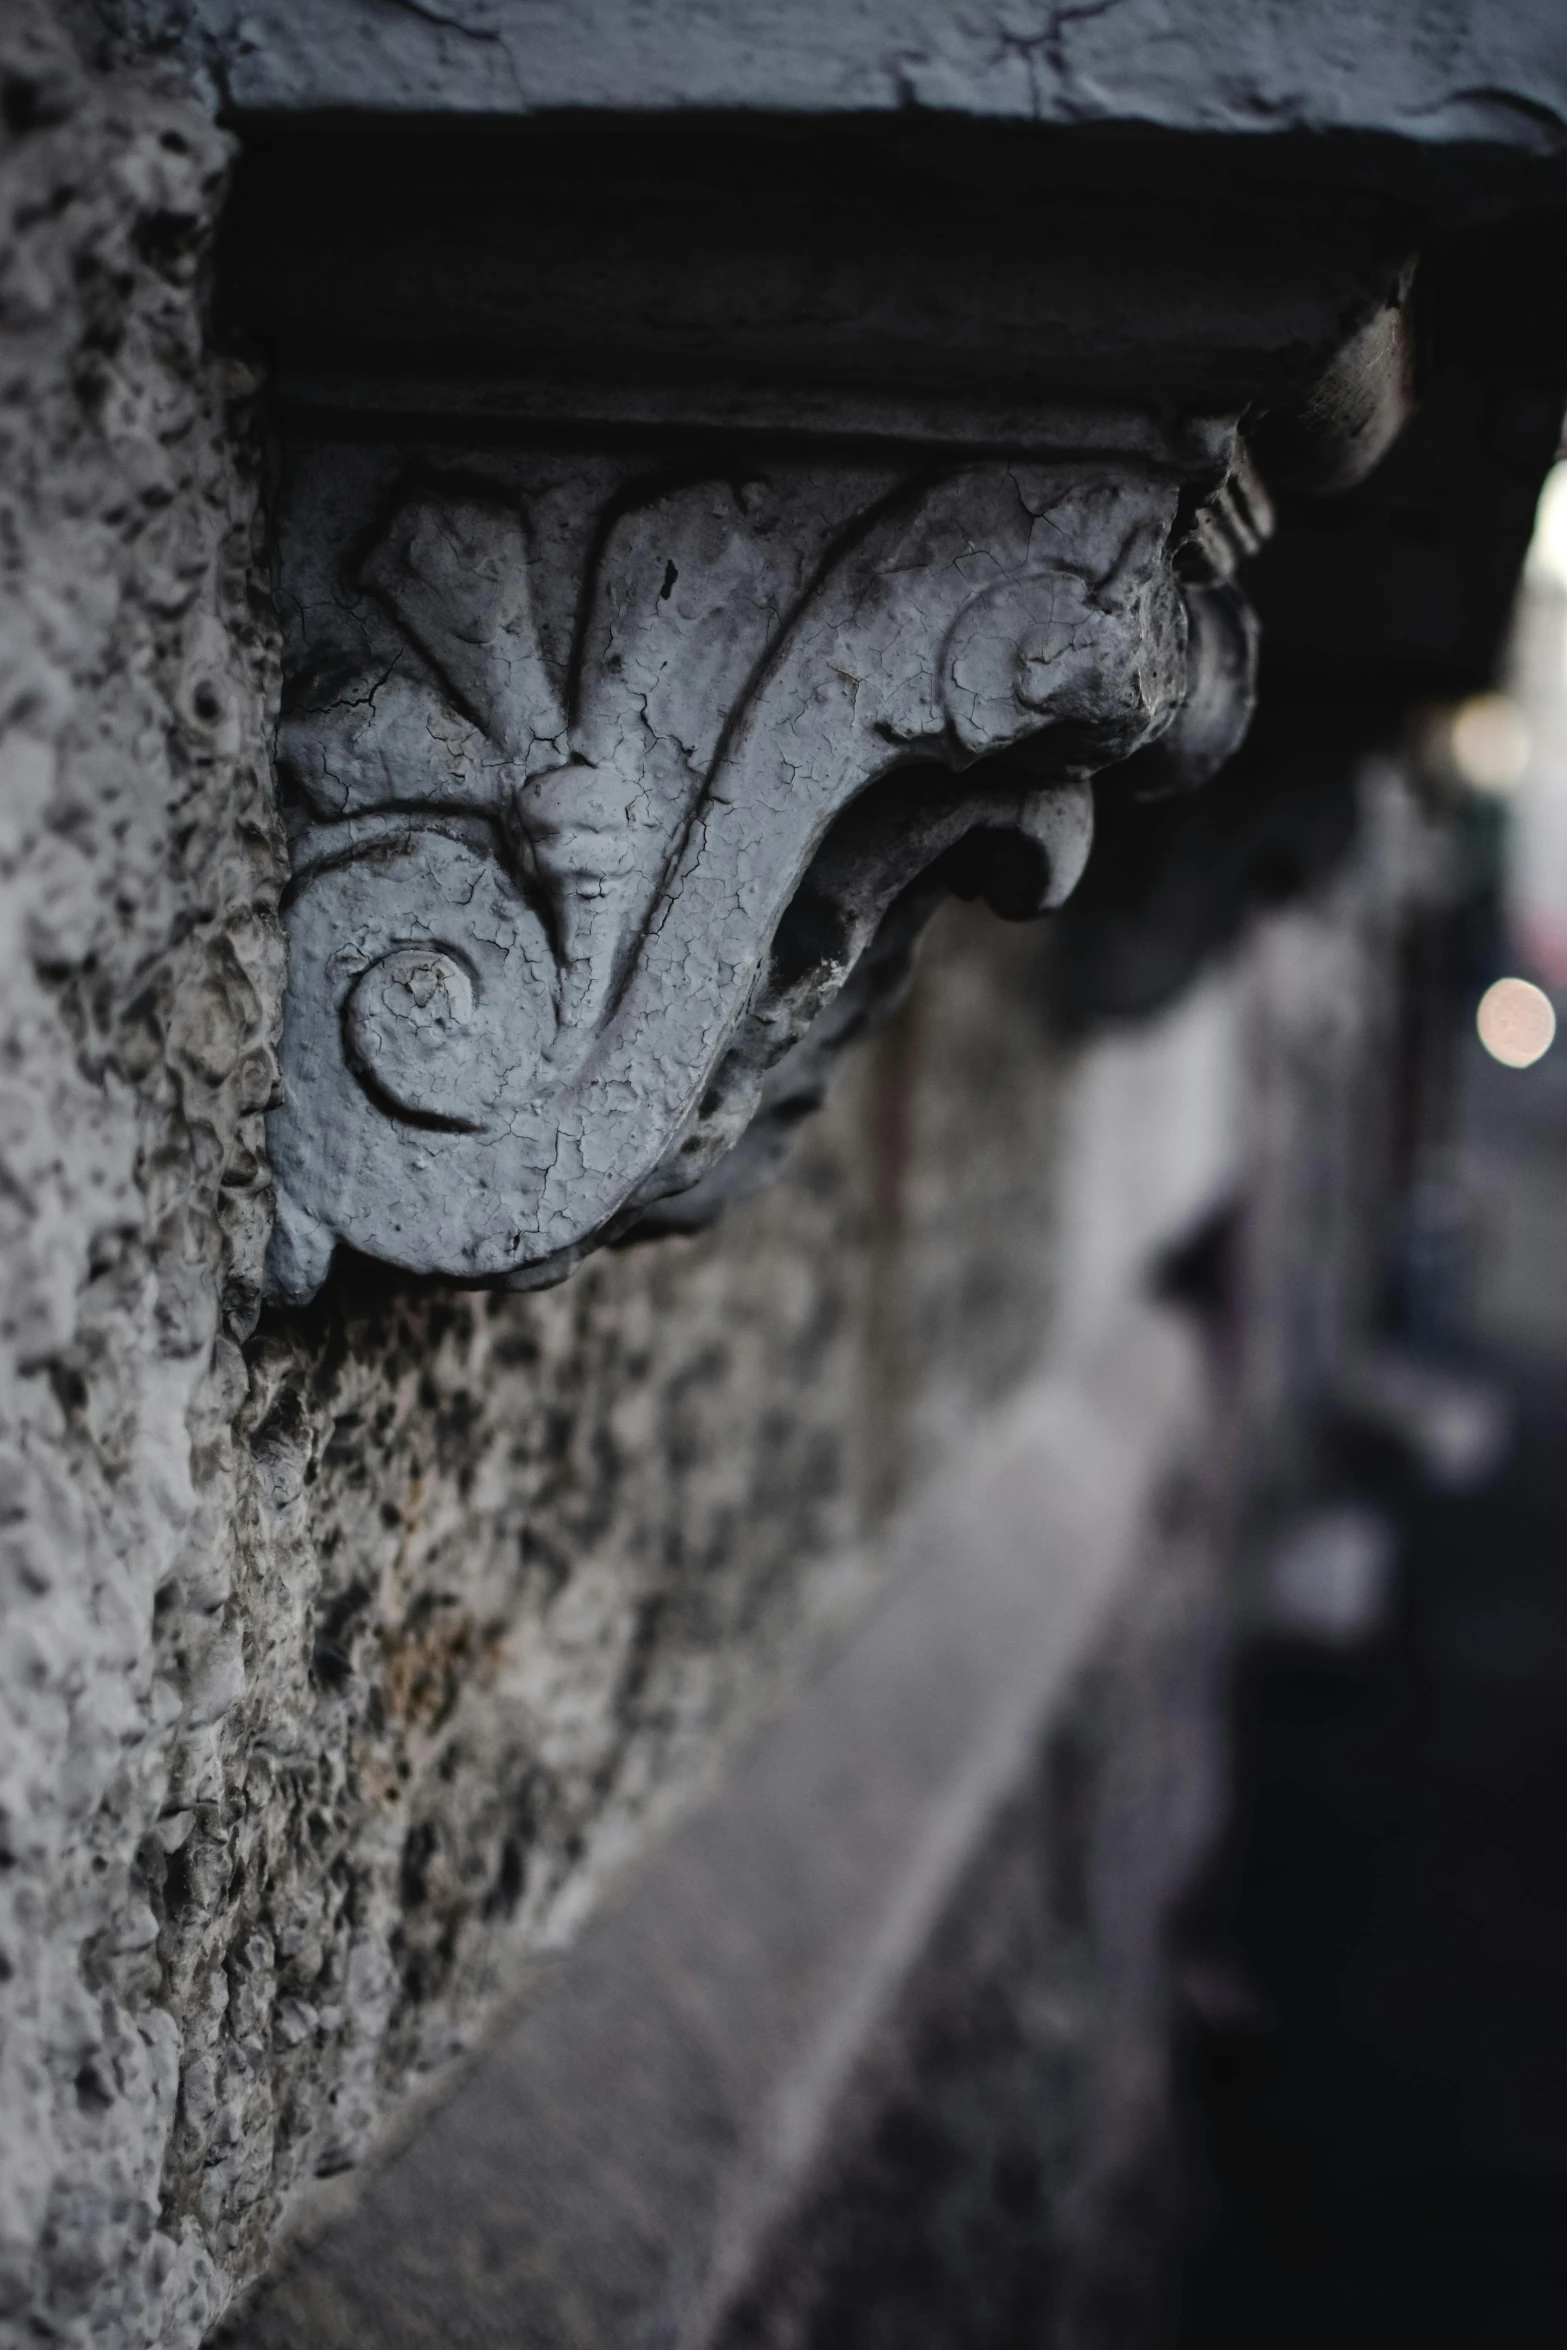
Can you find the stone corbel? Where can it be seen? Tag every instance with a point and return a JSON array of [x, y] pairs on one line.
[[618, 796]]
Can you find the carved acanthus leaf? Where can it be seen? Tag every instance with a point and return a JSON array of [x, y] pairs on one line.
[[562, 911]]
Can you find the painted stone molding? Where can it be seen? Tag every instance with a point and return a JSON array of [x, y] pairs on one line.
[[618, 797]]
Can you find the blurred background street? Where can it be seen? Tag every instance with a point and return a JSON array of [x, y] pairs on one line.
[[1374, 2044]]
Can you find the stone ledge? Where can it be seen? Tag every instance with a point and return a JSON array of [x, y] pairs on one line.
[[1496, 74]]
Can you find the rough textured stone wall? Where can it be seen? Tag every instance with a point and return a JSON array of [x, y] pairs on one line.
[[342, 1656], [138, 870], [513, 1569]]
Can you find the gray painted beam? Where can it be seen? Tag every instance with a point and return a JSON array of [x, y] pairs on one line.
[[1423, 70]]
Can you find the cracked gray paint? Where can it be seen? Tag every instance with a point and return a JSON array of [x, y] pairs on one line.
[[568, 747], [1436, 71]]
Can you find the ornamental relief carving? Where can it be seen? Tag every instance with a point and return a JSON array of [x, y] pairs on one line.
[[617, 800]]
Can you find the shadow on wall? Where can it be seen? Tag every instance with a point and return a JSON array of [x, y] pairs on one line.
[[1172, 883]]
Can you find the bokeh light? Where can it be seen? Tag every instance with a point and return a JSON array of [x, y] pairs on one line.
[[1516, 1023], [1489, 742]]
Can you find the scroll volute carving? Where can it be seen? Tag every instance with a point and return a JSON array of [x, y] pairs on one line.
[[617, 804]]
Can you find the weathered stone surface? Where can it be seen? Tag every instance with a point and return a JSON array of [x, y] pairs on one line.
[[142, 973], [317, 1723], [314, 1729], [618, 2159], [604, 789], [344, 1656], [517, 1566], [1009, 2093], [1422, 69]]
